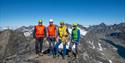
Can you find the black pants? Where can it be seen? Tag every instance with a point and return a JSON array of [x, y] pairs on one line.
[[39, 45]]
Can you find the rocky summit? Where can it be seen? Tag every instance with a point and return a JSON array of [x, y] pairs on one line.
[[99, 44]]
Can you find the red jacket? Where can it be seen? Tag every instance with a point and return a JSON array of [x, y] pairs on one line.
[[40, 31], [52, 30]]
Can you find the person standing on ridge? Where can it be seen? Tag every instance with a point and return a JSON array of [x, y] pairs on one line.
[[75, 39], [39, 34], [51, 36], [63, 35]]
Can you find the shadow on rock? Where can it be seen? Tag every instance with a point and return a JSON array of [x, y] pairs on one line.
[[120, 49]]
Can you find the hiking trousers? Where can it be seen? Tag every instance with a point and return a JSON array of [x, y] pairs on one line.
[[39, 45], [51, 45]]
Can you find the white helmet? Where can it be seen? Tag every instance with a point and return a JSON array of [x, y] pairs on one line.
[[51, 20]]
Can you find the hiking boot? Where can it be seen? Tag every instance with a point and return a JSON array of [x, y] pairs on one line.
[[40, 54], [37, 55], [63, 57], [54, 56]]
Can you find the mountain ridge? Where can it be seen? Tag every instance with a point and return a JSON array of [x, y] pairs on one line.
[[92, 49]]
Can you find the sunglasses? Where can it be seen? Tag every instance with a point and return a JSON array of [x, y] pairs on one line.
[[73, 26], [61, 24], [50, 22]]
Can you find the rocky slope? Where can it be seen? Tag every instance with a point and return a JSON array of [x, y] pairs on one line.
[[12, 44], [102, 44]]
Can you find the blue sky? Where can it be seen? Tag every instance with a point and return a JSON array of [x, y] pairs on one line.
[[85, 12]]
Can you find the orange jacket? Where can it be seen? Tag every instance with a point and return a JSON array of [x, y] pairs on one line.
[[40, 31], [52, 30]]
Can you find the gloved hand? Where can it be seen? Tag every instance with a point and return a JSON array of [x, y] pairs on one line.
[[45, 38], [57, 39], [76, 43]]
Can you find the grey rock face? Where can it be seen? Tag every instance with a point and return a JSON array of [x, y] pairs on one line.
[[12, 44]]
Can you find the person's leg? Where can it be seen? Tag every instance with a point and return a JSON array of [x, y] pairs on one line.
[[76, 50], [41, 44], [64, 50], [68, 49], [72, 49], [53, 45], [71, 45], [50, 49], [56, 47], [37, 46]]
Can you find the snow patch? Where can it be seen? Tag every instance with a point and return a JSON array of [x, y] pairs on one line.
[[115, 48], [27, 34], [83, 32], [102, 54], [100, 47], [110, 61], [92, 44], [85, 56], [70, 30]]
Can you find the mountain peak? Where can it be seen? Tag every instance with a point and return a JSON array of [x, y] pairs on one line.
[[102, 24]]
